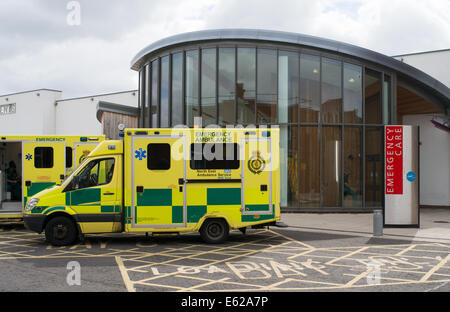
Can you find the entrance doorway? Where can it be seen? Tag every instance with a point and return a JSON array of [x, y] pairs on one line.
[[11, 176]]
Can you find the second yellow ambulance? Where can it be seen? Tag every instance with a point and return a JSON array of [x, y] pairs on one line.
[[30, 164]]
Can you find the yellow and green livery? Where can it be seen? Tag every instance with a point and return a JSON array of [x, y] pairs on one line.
[[32, 163], [166, 180]]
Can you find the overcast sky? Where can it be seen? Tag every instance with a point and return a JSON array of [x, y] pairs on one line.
[[40, 48]]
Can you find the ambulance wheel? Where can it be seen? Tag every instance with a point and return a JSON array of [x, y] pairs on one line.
[[214, 231], [60, 231]]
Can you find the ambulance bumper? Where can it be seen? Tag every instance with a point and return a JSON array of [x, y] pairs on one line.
[[34, 222]]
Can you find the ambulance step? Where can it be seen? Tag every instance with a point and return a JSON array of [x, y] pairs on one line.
[[155, 234], [280, 224], [274, 223]]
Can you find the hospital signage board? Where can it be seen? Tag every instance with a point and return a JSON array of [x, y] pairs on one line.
[[394, 159], [401, 176], [8, 109]]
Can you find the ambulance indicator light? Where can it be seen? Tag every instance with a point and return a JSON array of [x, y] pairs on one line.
[[83, 139], [265, 134]]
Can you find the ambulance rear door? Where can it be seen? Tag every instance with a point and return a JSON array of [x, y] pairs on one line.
[[158, 170], [256, 171], [43, 166]]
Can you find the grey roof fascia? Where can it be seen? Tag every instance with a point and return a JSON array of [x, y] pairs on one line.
[[440, 90], [23, 92]]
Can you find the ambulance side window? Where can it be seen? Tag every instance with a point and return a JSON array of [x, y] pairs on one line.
[[69, 157], [43, 157], [95, 173], [158, 156], [214, 156]]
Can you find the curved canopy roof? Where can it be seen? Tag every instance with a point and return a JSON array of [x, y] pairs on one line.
[[435, 87]]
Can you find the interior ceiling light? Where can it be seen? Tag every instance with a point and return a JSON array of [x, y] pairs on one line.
[[315, 71], [352, 80]]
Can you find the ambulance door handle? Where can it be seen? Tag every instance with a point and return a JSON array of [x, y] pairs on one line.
[[109, 193]]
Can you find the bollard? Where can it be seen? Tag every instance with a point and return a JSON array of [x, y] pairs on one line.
[[378, 223]]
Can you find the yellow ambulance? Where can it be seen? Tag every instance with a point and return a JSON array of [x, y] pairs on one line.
[[166, 181], [32, 163]]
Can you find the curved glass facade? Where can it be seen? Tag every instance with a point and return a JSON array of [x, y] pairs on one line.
[[330, 109]]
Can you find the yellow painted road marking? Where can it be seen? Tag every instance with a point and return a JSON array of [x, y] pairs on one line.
[[346, 256], [269, 243], [125, 277], [406, 250], [435, 268]]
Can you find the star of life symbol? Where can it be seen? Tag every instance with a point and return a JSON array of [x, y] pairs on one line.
[[140, 153], [28, 156]]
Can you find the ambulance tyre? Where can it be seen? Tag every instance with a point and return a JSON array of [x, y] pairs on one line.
[[214, 231], [60, 231]]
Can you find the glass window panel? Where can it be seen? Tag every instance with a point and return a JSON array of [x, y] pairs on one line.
[[246, 85], [69, 157], [158, 156], [309, 88], [331, 91], [95, 173], [374, 167], [177, 89], [192, 107], [331, 166], [288, 87], [43, 157], [226, 86], [309, 167], [289, 140], [208, 100], [387, 100], [147, 80], [165, 91], [372, 94], [267, 86], [352, 167], [352, 93], [214, 156], [105, 171], [141, 100], [155, 94]]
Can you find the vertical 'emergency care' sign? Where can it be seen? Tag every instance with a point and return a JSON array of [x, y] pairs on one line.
[[394, 159], [401, 185]]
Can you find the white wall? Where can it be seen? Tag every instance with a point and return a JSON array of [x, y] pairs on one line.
[[35, 112], [43, 112], [434, 161], [79, 115], [436, 64]]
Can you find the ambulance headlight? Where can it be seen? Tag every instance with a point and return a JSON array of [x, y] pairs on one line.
[[32, 203]]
